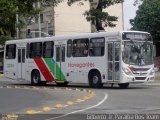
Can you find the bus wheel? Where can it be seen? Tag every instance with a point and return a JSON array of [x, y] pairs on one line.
[[35, 78], [123, 85], [95, 80]]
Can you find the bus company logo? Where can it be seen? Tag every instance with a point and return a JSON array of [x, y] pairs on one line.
[[141, 73], [81, 65], [10, 65]]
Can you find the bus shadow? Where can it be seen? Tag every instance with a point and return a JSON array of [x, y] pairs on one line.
[[83, 86]]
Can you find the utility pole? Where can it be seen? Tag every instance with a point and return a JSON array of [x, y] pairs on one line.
[[53, 17], [17, 22], [39, 19], [122, 16]]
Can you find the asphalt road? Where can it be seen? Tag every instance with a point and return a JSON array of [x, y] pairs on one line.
[[51, 102]]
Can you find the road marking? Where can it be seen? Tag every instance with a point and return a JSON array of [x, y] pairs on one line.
[[89, 95], [86, 98], [70, 103], [79, 100], [59, 106], [46, 109], [32, 112], [98, 104], [10, 117]]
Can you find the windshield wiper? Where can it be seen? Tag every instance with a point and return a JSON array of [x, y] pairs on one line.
[[135, 47]]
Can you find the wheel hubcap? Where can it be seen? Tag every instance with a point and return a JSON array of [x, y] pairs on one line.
[[35, 78], [95, 79]]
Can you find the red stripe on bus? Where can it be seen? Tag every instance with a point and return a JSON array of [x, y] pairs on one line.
[[44, 70], [130, 70]]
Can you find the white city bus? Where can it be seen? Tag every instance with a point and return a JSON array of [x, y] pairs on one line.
[[94, 58]]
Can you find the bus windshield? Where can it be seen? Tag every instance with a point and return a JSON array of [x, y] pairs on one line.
[[138, 53]]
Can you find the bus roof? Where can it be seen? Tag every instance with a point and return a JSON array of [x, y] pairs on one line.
[[66, 37]]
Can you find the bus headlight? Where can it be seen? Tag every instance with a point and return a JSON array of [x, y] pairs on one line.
[[152, 72], [126, 71]]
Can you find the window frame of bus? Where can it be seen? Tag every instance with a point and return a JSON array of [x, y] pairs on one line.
[[51, 49], [36, 51], [82, 52], [27, 50], [12, 51], [91, 48], [69, 48]]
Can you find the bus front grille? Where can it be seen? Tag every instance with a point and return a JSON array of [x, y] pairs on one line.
[[140, 78]]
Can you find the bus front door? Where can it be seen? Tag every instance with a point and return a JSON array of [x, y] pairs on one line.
[[113, 61], [60, 63], [21, 64]]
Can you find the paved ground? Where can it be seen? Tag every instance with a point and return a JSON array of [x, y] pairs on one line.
[[137, 99]]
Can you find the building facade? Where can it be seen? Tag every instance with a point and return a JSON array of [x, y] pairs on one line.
[[69, 20]]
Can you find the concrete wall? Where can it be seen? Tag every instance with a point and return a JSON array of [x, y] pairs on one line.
[[116, 10], [70, 20]]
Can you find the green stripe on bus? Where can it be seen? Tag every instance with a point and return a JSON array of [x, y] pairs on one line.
[[59, 73], [51, 64]]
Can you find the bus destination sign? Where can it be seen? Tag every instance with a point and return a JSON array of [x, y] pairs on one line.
[[136, 36]]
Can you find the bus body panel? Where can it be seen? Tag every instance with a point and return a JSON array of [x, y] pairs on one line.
[[81, 68], [61, 68]]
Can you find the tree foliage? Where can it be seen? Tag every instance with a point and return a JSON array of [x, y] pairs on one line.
[[97, 16], [24, 8], [148, 19], [137, 2]]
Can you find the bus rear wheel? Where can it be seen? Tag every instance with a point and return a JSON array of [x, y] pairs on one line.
[[95, 80], [123, 85], [35, 78]]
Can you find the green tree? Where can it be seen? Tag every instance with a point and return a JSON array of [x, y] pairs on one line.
[[137, 2], [24, 9], [97, 16], [8, 11], [148, 19]]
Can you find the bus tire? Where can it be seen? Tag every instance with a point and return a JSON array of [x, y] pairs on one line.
[[95, 79], [35, 78], [123, 85]]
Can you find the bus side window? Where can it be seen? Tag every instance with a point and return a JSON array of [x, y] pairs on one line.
[[35, 50], [27, 50], [80, 48], [10, 51], [96, 47], [69, 48], [48, 49]]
